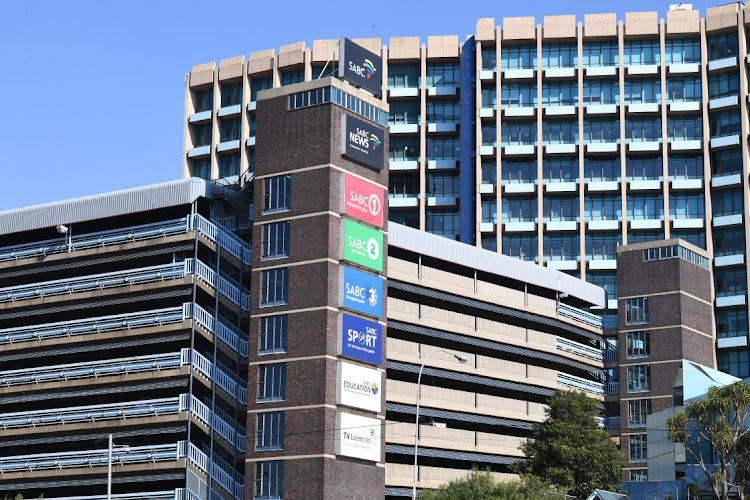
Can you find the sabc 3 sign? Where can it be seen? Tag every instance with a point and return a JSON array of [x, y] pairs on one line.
[[360, 339], [362, 245], [363, 200], [360, 67], [361, 292]]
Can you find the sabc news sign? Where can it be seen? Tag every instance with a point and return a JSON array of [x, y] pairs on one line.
[[360, 339], [363, 200], [362, 245], [363, 142]]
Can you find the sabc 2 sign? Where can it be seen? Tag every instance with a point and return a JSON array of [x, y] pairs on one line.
[[360, 67], [361, 292], [358, 437], [360, 339], [363, 142], [358, 387], [362, 245], [363, 200]]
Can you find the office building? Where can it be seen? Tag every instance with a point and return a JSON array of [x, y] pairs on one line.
[[552, 141]]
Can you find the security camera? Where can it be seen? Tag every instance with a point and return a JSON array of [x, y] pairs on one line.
[[62, 229]]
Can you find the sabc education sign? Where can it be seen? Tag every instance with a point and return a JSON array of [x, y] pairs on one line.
[[360, 339], [358, 387], [363, 200], [362, 245], [361, 292]]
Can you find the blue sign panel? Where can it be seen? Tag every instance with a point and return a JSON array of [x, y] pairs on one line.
[[362, 292], [361, 339]]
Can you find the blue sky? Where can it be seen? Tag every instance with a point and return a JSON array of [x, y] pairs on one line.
[[93, 91]]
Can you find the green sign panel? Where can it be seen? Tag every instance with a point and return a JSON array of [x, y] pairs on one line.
[[363, 245]]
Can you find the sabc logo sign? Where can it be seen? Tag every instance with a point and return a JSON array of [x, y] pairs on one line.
[[362, 245], [363, 200], [360, 339], [361, 292]]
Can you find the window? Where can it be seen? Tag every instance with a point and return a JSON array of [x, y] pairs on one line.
[[516, 170], [562, 247], [603, 207], [642, 52], [684, 89], [601, 92], [274, 287], [723, 84], [729, 241], [521, 247], [443, 111], [272, 336], [639, 344], [640, 168], [645, 206], [601, 169], [638, 409], [730, 282], [731, 323], [559, 55], [403, 76], [726, 162], [202, 168], [489, 58], [489, 134], [270, 431], [443, 184], [204, 100], [727, 202], [721, 46], [277, 193], [600, 54], [202, 135], [688, 128], [322, 71], [563, 93], [519, 209], [489, 210], [735, 363], [559, 132], [639, 474], [293, 76], [682, 50], [251, 125], [276, 240], [406, 217], [608, 281], [259, 83], [402, 185], [560, 208], [518, 95], [601, 130], [602, 246], [560, 169], [403, 112], [403, 148], [639, 378], [269, 479], [445, 74], [685, 166], [518, 57], [229, 129], [638, 448], [229, 165], [444, 223], [489, 243], [725, 123], [518, 132], [636, 311], [443, 148], [686, 206], [489, 97], [231, 94], [644, 236], [272, 382], [642, 90], [697, 238], [489, 173], [643, 129]]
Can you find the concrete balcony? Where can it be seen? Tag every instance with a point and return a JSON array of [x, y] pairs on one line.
[[519, 150], [644, 147], [646, 224], [686, 184], [684, 107], [404, 128], [603, 225], [602, 71], [727, 220], [729, 260], [199, 151], [403, 202], [228, 146], [486, 150], [518, 74], [685, 145], [560, 110], [519, 227], [560, 187], [602, 147], [519, 188], [229, 110], [726, 180], [201, 116], [562, 265], [688, 223], [684, 69], [601, 109], [400, 165], [485, 188], [519, 112], [725, 141], [487, 75], [642, 69], [442, 201], [404, 92], [250, 141], [602, 186], [602, 264], [487, 227], [560, 73], [442, 127], [252, 105], [727, 62], [729, 342], [442, 91], [561, 225], [486, 112], [643, 108], [645, 185], [557, 149], [442, 164], [723, 102], [731, 300]]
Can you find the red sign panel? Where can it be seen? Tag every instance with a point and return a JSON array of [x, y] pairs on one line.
[[363, 200]]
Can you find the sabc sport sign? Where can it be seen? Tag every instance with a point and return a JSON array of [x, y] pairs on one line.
[[363, 142], [360, 67], [358, 437], [362, 245], [360, 339], [358, 387], [363, 200], [361, 292]]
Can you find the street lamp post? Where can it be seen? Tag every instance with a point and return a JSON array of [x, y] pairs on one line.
[[110, 449], [461, 359]]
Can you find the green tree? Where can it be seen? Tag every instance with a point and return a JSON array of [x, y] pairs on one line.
[[570, 451], [482, 486], [719, 421]]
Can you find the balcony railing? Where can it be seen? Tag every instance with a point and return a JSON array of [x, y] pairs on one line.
[[579, 349], [224, 426], [214, 232], [230, 335], [579, 315], [611, 354], [612, 388], [580, 384], [176, 494], [612, 423]]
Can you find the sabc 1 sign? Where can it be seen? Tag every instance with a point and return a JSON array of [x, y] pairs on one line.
[[360, 67], [360, 339], [358, 437], [361, 292], [362, 245], [363, 142], [358, 387], [363, 200]]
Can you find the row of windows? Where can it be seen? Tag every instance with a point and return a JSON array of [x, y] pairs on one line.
[[332, 94], [229, 166], [676, 251], [437, 148]]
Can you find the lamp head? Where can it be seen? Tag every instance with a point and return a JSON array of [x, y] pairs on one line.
[[62, 229]]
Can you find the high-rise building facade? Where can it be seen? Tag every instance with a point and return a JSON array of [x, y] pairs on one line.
[[551, 142]]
